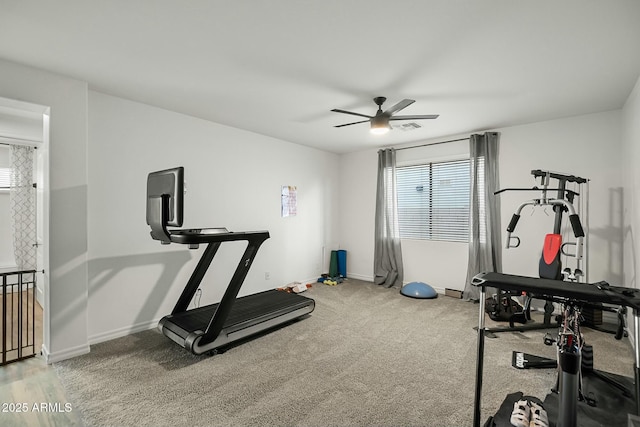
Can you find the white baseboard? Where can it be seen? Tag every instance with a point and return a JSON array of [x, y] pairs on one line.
[[360, 277], [311, 280], [65, 354], [439, 290], [95, 339], [122, 332], [370, 279]]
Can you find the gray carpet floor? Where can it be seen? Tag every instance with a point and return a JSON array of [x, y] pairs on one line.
[[367, 356]]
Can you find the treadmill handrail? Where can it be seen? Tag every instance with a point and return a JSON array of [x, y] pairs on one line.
[[216, 324], [196, 237], [226, 303], [196, 278], [159, 217]]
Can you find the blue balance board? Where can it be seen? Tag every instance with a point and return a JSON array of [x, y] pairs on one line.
[[418, 290]]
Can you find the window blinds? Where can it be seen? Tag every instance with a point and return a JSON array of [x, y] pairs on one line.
[[433, 201], [5, 178]]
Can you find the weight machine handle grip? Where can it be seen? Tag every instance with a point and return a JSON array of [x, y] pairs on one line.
[[576, 225], [511, 238], [513, 223]]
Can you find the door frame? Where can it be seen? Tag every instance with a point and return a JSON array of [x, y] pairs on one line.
[[41, 162]]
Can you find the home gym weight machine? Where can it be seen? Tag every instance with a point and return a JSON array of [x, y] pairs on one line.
[[560, 286], [502, 307], [213, 327]]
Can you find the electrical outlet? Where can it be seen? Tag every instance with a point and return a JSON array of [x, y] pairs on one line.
[[267, 275]]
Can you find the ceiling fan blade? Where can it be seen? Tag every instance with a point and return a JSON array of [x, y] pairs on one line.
[[349, 124], [399, 106], [419, 117], [350, 112]]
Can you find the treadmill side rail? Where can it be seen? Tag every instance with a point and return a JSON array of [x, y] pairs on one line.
[[250, 315], [225, 338]]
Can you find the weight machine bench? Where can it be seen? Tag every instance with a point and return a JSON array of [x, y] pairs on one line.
[[589, 293]]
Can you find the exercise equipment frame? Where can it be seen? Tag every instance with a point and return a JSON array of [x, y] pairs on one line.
[[212, 327], [561, 203], [600, 292]]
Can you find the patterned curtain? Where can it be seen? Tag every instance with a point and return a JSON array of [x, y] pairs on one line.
[[22, 205]]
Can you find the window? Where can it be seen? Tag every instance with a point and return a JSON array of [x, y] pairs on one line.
[[5, 177], [433, 201], [482, 232]]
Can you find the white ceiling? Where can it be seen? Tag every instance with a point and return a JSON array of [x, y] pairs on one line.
[[278, 67]]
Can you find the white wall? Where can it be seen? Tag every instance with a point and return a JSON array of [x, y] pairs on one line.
[[418, 255], [358, 175], [631, 188], [358, 201], [20, 124], [233, 180], [65, 207], [6, 234], [587, 146]]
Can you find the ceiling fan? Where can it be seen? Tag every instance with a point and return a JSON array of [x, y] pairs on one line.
[[380, 122]]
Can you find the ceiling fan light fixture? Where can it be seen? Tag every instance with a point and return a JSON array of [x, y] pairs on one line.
[[380, 125], [380, 122]]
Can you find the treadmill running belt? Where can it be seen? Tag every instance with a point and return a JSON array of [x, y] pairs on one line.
[[247, 308]]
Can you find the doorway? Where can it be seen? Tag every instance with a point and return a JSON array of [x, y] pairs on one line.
[[24, 138]]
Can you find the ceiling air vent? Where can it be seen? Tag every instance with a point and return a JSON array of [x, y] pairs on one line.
[[405, 127]]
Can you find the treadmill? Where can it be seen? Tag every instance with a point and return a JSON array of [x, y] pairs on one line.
[[212, 327]]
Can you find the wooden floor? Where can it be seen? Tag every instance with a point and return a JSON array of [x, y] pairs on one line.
[[30, 392], [29, 338], [31, 395]]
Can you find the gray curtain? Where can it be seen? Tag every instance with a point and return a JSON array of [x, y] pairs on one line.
[[387, 266], [22, 204], [485, 249]]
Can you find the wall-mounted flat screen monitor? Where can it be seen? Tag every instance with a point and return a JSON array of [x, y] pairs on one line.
[[171, 183]]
